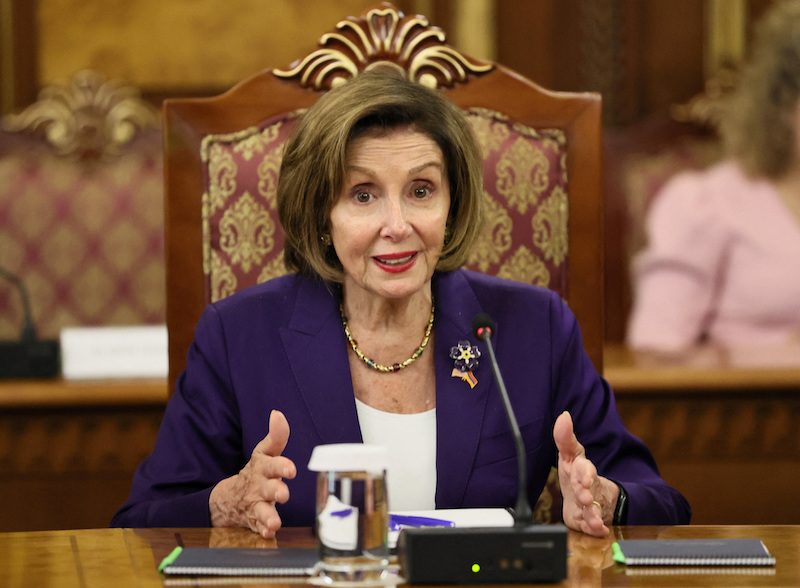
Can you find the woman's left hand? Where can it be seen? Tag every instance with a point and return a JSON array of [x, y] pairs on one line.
[[589, 499]]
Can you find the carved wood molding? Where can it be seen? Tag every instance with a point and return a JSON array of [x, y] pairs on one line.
[[383, 36], [702, 429], [91, 118], [64, 443]]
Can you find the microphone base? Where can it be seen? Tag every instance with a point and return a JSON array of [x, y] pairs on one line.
[[30, 359], [493, 555]]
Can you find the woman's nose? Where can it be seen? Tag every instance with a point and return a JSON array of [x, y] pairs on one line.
[[395, 223]]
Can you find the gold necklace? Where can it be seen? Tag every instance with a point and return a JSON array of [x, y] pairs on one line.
[[387, 369]]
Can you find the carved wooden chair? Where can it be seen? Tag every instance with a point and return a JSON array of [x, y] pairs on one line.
[[542, 173], [81, 200]]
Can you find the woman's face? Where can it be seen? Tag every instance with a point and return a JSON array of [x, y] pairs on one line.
[[388, 222]]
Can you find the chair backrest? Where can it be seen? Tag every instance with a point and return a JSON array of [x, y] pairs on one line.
[[81, 208], [542, 171]]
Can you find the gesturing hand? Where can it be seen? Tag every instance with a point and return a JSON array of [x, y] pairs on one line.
[[589, 499], [248, 499]]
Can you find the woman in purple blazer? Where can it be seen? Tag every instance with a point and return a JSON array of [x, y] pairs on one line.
[[370, 340]]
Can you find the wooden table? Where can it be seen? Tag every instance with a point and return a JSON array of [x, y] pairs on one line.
[[129, 557], [724, 427]]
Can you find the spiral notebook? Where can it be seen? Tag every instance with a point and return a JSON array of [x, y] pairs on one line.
[[236, 561], [692, 552]]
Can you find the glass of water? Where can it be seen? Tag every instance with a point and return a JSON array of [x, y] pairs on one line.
[[352, 512]]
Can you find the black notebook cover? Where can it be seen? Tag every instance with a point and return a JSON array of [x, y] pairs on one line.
[[235, 561], [693, 552]]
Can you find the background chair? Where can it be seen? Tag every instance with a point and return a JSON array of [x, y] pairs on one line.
[[81, 208], [542, 162]]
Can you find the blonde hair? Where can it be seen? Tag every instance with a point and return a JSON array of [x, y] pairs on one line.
[[313, 167], [759, 129]]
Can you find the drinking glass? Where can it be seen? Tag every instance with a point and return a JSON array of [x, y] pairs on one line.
[[352, 512]]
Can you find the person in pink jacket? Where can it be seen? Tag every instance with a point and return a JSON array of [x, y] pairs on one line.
[[722, 264]]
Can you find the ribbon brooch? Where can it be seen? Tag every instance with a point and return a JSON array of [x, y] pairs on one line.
[[465, 356]]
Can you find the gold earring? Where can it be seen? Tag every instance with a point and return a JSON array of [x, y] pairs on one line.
[[326, 239]]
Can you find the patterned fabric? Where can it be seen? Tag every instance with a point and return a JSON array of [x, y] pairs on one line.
[[525, 183], [86, 238]]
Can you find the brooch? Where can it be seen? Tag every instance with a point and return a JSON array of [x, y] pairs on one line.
[[465, 356]]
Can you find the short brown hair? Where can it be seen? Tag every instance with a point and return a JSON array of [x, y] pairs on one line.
[[759, 127], [313, 167]]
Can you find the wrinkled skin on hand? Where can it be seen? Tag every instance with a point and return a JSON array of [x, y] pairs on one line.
[[248, 498]]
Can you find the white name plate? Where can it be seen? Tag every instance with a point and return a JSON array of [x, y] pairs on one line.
[[114, 352]]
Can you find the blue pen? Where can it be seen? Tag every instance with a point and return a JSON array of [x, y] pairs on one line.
[[397, 522]]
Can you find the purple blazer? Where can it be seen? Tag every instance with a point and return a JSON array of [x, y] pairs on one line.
[[280, 345]]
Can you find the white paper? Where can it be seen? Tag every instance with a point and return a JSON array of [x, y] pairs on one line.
[[114, 352], [462, 517]]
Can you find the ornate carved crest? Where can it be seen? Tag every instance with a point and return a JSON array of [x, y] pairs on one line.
[[90, 119], [386, 36]]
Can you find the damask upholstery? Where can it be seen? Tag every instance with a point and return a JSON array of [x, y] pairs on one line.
[[81, 213], [526, 200], [542, 154]]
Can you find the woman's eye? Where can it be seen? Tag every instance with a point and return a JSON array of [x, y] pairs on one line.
[[362, 196], [421, 192]]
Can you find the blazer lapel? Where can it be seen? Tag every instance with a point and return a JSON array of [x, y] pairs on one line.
[[314, 344], [459, 408]]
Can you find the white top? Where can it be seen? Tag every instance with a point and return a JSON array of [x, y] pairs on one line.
[[410, 440]]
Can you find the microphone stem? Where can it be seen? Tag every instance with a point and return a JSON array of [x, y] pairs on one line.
[[28, 330], [522, 512]]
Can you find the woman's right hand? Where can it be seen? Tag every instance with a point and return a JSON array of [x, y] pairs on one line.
[[248, 499]]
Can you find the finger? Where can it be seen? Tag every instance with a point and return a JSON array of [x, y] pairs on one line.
[[267, 519], [592, 523], [564, 437], [277, 436], [273, 467], [583, 480]]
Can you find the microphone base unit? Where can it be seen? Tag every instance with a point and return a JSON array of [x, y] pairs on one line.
[[29, 359], [489, 555]]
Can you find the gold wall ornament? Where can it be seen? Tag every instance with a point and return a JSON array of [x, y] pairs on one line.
[[91, 118], [384, 36]]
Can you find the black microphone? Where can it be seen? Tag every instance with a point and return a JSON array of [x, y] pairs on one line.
[[525, 553], [484, 328], [29, 357]]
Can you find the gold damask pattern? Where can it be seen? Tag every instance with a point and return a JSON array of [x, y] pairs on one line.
[[525, 266], [246, 232], [85, 237], [548, 507], [496, 239], [242, 238], [223, 280], [222, 171], [522, 174], [268, 176], [548, 226], [525, 236]]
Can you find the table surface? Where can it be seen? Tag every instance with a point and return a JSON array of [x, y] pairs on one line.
[[129, 557], [703, 369]]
